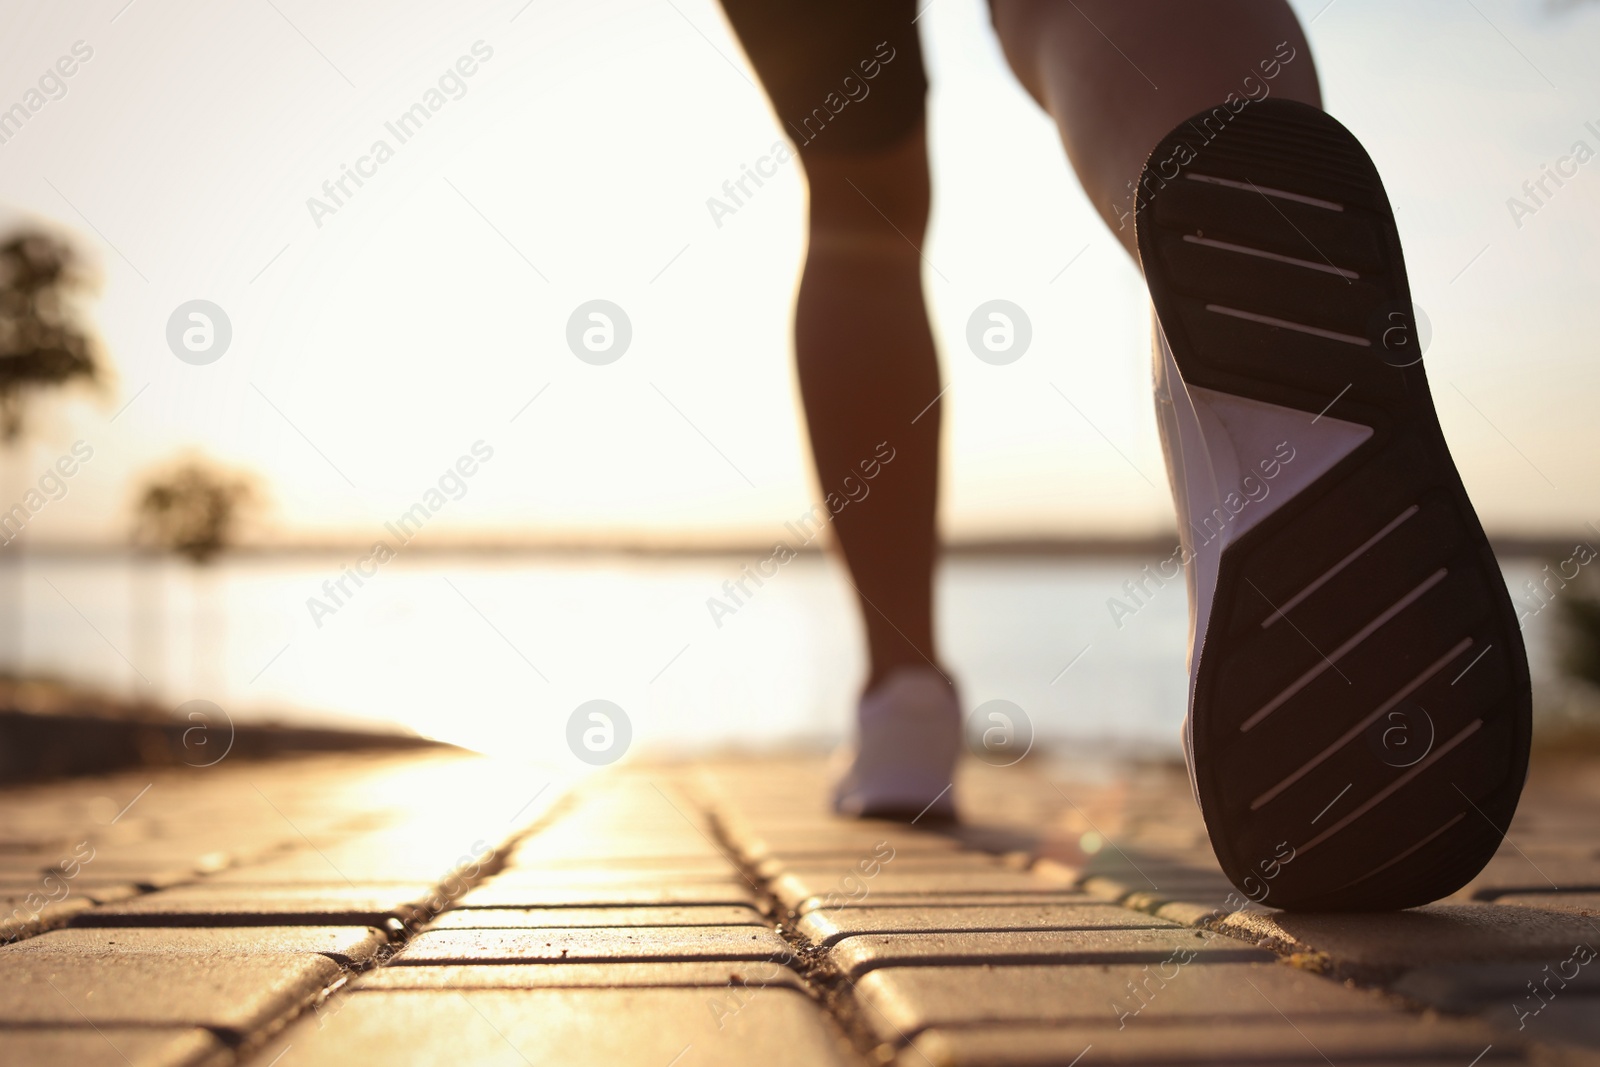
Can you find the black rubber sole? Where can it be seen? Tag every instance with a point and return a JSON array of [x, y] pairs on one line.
[[1365, 748]]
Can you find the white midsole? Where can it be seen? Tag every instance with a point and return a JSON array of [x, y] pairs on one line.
[[1219, 447]]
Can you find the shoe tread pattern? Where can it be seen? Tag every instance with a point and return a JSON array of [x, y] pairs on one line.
[[1400, 835]]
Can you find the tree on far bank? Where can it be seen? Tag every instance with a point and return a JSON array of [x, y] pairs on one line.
[[45, 339], [46, 342], [193, 509]]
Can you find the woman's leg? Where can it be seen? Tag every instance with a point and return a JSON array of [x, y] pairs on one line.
[[845, 78], [1116, 76], [869, 379]]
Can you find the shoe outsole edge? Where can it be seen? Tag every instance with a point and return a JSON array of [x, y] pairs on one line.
[[1275, 267]]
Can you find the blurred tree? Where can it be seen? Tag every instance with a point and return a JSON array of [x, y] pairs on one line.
[[45, 341], [192, 509]]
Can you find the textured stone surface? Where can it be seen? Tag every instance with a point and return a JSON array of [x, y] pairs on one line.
[[1529, 867], [244, 904], [951, 935], [1438, 933], [97, 890], [585, 877], [572, 1028], [827, 927], [918, 901], [1586, 904], [346, 944], [27, 913], [594, 944], [1529, 985], [689, 974], [331, 867], [113, 1046], [594, 847], [837, 887], [1409, 1042], [834, 838], [533, 918], [774, 866], [858, 955], [908, 999], [494, 895], [238, 993]]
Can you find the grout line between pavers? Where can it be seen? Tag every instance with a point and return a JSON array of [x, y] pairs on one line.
[[821, 979], [398, 932], [1316, 962]]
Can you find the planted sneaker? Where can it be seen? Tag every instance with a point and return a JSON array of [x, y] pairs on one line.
[[1359, 708], [908, 740]]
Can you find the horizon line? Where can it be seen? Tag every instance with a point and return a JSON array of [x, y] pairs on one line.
[[1505, 544]]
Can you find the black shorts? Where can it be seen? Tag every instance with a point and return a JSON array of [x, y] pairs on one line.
[[843, 75]]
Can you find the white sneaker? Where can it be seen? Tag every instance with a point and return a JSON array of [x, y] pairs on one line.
[[1357, 680], [908, 740]]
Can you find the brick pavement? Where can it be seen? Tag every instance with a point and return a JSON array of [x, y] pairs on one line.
[[430, 908]]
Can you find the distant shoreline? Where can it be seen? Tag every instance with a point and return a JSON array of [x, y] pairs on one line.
[[1160, 545]]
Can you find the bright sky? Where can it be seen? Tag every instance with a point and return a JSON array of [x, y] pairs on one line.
[[370, 352]]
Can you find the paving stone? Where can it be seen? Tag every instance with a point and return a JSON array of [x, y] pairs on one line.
[[145, 876], [642, 864], [348, 945], [1188, 914], [240, 993], [98, 890], [533, 918], [494, 895], [1564, 1021], [835, 832], [329, 867], [856, 956], [114, 1046], [1370, 1043], [1129, 863], [842, 863], [832, 887], [946, 866], [1523, 869], [572, 1028], [33, 912], [270, 905], [755, 847], [1058, 895], [1576, 903], [111, 857], [584, 877], [905, 1000], [1473, 986], [686, 974], [31, 865], [600, 849], [827, 927], [1435, 934], [592, 944]]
